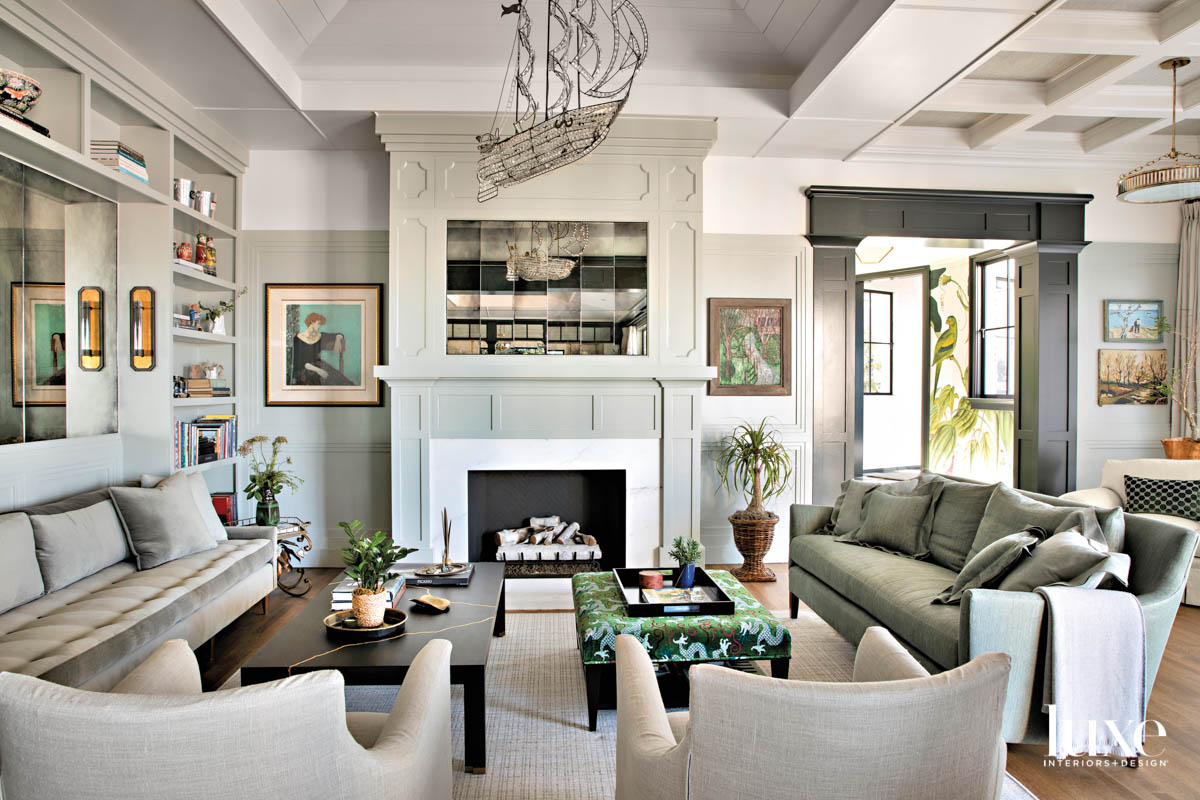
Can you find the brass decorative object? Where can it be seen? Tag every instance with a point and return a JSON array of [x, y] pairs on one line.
[[91, 329], [141, 329], [1164, 184], [447, 567]]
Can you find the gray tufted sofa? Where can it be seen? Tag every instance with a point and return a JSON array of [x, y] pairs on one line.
[[92, 632]]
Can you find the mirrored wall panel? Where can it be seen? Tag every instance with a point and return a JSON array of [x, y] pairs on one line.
[[559, 288], [58, 267]]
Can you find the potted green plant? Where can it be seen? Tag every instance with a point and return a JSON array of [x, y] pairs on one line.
[[753, 460], [369, 558], [686, 553], [1180, 387], [269, 475], [215, 315]]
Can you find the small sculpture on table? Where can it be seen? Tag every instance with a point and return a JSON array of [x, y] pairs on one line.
[[447, 567]]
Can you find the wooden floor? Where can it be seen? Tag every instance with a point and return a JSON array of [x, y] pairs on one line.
[[1175, 702]]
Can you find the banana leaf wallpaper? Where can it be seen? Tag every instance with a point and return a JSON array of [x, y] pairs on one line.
[[974, 443]]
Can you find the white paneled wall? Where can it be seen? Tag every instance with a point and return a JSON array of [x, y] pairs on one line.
[[342, 453]]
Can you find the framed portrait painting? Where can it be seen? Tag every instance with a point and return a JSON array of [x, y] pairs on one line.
[[323, 342], [750, 344], [39, 344], [1133, 320]]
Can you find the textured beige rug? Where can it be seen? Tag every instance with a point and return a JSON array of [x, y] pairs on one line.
[[539, 747]]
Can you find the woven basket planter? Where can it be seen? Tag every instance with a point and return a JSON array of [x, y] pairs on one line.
[[753, 537], [1181, 447]]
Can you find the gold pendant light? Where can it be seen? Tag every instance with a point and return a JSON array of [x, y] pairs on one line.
[[1165, 184]]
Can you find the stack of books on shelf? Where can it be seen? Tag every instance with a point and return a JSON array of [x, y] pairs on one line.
[[208, 387], [121, 157], [211, 437], [13, 116], [184, 321], [344, 591]]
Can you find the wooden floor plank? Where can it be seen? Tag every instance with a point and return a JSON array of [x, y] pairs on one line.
[[1174, 702]]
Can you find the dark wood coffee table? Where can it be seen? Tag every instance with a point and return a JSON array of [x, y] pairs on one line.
[[386, 663]]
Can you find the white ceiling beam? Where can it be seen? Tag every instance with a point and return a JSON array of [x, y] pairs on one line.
[[1115, 131], [1189, 94], [844, 38], [1178, 18], [1088, 74], [991, 128], [242, 28]]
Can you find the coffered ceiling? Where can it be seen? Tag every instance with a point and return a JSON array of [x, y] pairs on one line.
[[942, 81]]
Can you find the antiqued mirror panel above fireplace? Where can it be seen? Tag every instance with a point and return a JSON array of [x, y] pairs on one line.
[[543, 287]]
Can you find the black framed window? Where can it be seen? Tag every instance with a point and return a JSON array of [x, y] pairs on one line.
[[877, 342], [993, 337]]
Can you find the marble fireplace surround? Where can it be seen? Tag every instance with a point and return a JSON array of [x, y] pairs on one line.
[[546, 413]]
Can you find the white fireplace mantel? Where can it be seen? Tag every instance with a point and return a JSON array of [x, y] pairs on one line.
[[649, 169], [544, 368]]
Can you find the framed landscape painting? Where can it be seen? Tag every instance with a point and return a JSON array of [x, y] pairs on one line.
[[39, 344], [1133, 320], [750, 344], [323, 343], [1132, 377]]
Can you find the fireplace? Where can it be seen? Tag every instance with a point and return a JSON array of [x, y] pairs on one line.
[[508, 499]]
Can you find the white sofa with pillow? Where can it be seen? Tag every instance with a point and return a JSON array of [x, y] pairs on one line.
[[92, 584], [1111, 494]]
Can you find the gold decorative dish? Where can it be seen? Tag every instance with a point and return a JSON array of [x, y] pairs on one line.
[[343, 626], [438, 570]]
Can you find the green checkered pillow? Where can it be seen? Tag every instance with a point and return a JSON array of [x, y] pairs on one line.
[[1174, 498]]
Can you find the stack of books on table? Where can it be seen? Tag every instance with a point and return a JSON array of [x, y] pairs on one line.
[[211, 437], [344, 591], [121, 157], [457, 579]]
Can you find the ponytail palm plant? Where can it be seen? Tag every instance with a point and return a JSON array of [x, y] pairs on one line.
[[753, 461]]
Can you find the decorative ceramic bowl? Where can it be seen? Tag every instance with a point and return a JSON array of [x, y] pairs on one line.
[[18, 92]]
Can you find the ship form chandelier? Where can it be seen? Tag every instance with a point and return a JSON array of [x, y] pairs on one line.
[[591, 63], [567, 241], [1177, 180]]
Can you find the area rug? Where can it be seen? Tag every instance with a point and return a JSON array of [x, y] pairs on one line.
[[538, 744]]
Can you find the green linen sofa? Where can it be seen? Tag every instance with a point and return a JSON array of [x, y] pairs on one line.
[[854, 588]]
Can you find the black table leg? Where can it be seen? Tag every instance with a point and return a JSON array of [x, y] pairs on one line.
[[591, 674], [475, 720], [779, 667], [795, 602], [498, 627]]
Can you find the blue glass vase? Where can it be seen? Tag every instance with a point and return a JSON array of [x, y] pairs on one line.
[[686, 576]]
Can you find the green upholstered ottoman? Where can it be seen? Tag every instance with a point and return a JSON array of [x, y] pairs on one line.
[[750, 633]]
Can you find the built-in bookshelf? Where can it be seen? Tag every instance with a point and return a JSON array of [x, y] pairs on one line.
[[84, 100]]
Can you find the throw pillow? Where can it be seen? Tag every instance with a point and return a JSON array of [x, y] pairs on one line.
[[990, 565], [20, 576], [1175, 498], [162, 524], [199, 488], [1061, 559], [1008, 510], [902, 489], [956, 518], [75, 544], [852, 511], [895, 523]]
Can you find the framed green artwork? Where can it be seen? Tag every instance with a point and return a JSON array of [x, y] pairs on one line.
[[750, 344], [39, 344], [323, 343]]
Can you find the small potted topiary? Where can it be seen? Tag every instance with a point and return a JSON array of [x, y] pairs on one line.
[[368, 558], [686, 553]]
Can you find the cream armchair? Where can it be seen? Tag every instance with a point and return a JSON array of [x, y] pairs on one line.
[[157, 736], [895, 731], [1111, 494]]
